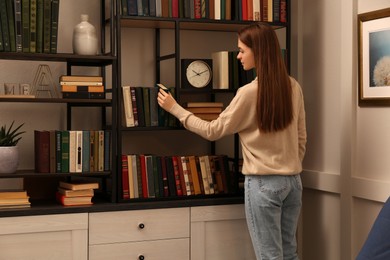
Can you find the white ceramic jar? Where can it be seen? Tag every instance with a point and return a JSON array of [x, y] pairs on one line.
[[85, 41]]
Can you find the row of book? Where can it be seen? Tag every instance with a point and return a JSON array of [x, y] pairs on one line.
[[29, 25], [239, 10], [14, 199], [76, 193], [72, 151], [79, 86], [141, 108], [228, 72], [154, 176]]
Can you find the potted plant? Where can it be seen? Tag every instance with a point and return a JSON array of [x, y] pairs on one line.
[[9, 153]]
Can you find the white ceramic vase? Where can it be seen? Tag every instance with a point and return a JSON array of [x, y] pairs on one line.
[[85, 41], [9, 159]]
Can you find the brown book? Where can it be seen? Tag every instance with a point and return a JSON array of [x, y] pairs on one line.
[[195, 175], [13, 194], [73, 201], [81, 78], [76, 88], [165, 8], [79, 185], [75, 193], [204, 104], [181, 175], [42, 151], [17, 201], [204, 109]]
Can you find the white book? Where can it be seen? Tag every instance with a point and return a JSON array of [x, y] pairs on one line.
[[79, 151], [256, 10], [217, 9], [203, 171], [185, 174], [209, 175], [72, 151], [128, 107]]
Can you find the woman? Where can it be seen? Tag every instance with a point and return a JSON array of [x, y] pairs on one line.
[[268, 115]]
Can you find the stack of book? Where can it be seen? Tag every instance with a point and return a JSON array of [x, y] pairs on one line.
[[82, 87], [76, 193], [205, 110], [14, 199]]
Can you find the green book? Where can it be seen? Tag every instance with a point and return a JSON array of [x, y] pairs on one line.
[[1, 39], [39, 34], [11, 24], [26, 25], [58, 153], [33, 26], [55, 5], [46, 25], [86, 151], [146, 99], [65, 151], [18, 25], [4, 25]]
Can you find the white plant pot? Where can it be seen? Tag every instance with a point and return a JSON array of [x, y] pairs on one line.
[[9, 159]]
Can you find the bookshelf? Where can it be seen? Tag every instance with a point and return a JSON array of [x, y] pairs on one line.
[[177, 28], [100, 64]]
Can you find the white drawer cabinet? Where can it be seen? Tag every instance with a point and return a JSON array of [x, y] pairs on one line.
[[48, 237], [155, 233], [220, 233]]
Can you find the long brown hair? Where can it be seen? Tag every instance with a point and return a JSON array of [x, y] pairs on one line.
[[274, 101]]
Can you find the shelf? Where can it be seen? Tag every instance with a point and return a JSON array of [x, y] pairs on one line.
[[188, 24], [75, 102], [31, 173], [81, 60]]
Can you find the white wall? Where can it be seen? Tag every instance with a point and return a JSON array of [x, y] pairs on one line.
[[346, 166]]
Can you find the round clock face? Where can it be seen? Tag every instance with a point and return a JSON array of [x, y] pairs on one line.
[[198, 74]]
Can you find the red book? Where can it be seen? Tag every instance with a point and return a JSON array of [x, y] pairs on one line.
[[73, 201], [250, 10], [197, 9], [125, 178], [244, 11], [42, 151], [283, 11], [164, 177], [176, 173], [175, 8], [144, 176]]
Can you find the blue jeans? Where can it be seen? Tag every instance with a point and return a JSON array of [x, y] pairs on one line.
[[272, 207]]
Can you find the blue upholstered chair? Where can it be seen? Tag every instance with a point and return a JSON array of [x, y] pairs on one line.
[[377, 245]]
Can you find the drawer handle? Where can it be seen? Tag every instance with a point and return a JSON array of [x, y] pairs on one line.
[[141, 226], [141, 257]]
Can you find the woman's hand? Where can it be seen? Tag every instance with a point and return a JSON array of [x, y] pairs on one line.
[[165, 100]]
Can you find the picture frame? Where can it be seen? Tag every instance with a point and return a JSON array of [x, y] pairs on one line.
[[374, 58]]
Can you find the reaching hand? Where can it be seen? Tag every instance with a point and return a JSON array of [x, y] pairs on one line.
[[165, 100]]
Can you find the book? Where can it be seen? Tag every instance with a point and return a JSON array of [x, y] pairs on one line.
[[33, 26], [42, 151], [78, 185], [164, 176], [82, 78], [86, 151], [75, 193], [170, 176], [128, 107], [4, 26], [39, 34], [125, 178], [14, 201], [146, 104], [72, 151], [181, 174], [144, 176], [204, 104], [11, 24], [205, 178], [176, 174], [100, 150], [195, 175], [134, 105], [132, 8], [187, 183], [140, 106], [46, 25], [136, 177], [107, 150], [153, 106], [53, 150], [13, 194], [92, 151], [81, 83], [18, 25], [65, 151], [130, 177], [83, 95], [55, 5], [150, 176], [58, 151], [73, 201], [79, 151]]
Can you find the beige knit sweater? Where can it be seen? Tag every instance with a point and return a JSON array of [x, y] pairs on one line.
[[281, 152]]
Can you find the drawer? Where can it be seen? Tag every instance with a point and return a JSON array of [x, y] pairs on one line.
[[150, 250], [138, 225]]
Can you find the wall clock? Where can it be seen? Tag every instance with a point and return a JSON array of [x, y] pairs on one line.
[[196, 73]]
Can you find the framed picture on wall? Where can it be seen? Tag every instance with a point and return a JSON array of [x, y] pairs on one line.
[[374, 58]]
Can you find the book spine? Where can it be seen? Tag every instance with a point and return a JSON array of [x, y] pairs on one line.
[[11, 24], [55, 5], [25, 25], [176, 172], [65, 151], [134, 170], [72, 151], [39, 34], [85, 151], [134, 105], [107, 150], [33, 25], [42, 151], [124, 7], [132, 7], [125, 178], [144, 177], [46, 25], [1, 39], [52, 150], [92, 151], [185, 174], [58, 151], [130, 176], [101, 151], [79, 151], [4, 25]]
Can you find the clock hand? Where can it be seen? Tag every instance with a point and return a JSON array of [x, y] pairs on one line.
[[203, 72], [197, 74]]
